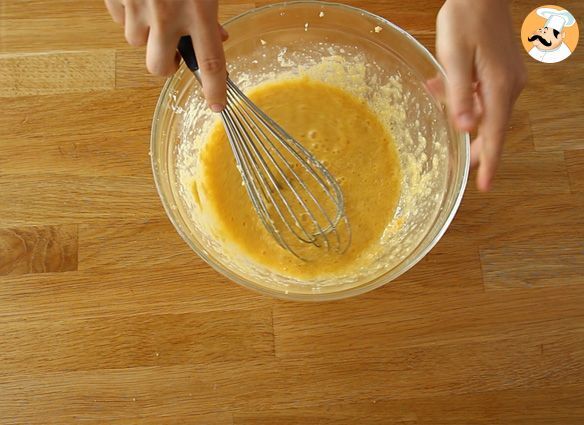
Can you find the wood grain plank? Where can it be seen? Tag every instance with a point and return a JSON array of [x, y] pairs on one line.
[[23, 9], [398, 415], [537, 172], [575, 163], [519, 136], [537, 262], [404, 317], [296, 383], [67, 199], [549, 405], [83, 26], [222, 418], [56, 72], [61, 33], [120, 245], [72, 114], [457, 258], [553, 126], [131, 69], [400, 316], [526, 241], [552, 129], [43, 249], [136, 341], [160, 290], [495, 221], [96, 154]]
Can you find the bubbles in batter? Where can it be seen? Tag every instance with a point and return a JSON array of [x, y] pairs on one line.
[[347, 137]]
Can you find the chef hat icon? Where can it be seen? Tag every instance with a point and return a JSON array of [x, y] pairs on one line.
[[556, 19]]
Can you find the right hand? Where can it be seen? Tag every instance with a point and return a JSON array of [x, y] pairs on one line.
[[159, 24], [476, 45]]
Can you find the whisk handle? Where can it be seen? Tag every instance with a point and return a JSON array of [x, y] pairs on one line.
[[186, 50]]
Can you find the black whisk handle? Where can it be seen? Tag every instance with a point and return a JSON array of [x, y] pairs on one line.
[[186, 50]]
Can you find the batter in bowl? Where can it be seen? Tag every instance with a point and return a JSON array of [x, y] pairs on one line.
[[345, 135]]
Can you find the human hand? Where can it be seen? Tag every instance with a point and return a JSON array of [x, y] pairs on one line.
[[485, 74], [159, 24]]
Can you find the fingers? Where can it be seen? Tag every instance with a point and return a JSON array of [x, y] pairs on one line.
[[459, 69], [497, 99], [210, 56], [161, 56], [478, 104], [135, 26], [475, 151], [457, 57], [160, 24], [223, 32], [435, 86], [116, 10]]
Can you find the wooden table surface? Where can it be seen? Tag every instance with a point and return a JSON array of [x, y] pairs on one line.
[[106, 316]]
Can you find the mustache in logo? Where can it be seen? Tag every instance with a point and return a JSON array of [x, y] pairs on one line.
[[541, 40]]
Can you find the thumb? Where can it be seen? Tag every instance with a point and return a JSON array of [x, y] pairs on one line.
[[459, 66]]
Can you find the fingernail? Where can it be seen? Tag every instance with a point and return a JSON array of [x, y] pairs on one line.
[[466, 120], [216, 107]]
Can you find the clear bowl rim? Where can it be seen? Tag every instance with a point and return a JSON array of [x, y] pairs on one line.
[[315, 296]]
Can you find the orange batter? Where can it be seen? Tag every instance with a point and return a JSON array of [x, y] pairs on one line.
[[344, 134]]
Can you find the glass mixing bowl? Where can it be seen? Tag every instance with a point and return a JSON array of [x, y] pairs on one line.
[[380, 63]]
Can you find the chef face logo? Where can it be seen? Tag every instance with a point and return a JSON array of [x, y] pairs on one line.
[[546, 38], [549, 34]]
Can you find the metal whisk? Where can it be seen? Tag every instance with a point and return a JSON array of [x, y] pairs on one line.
[[296, 198]]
